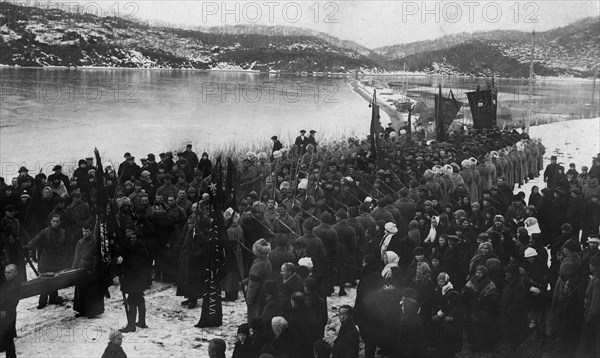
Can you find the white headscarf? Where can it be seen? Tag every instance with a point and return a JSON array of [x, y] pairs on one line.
[[392, 261]]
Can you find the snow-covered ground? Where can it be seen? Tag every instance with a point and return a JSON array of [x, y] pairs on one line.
[[574, 141], [54, 332]]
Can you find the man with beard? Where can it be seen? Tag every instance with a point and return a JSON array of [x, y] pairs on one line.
[[50, 244]]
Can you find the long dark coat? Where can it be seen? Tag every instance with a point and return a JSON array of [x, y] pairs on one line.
[[134, 266], [260, 271], [89, 297], [329, 237], [346, 252], [10, 293]]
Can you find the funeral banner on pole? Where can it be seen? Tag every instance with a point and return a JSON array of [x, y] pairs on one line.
[[445, 115], [483, 107], [375, 130]]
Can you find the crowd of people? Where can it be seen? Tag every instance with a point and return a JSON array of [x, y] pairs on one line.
[[444, 256]]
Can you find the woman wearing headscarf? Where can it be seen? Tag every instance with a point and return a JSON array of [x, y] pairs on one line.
[[425, 288], [389, 239], [432, 236], [481, 301], [390, 259], [484, 252], [414, 234]]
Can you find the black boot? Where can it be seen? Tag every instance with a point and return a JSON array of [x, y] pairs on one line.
[[193, 303], [142, 316], [231, 296], [130, 320]]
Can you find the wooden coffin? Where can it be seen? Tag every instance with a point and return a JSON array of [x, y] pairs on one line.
[[53, 282]]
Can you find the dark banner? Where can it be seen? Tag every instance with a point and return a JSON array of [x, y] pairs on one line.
[[483, 108], [375, 130], [450, 108]]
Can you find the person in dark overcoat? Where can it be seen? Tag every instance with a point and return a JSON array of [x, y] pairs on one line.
[[10, 293], [114, 349], [260, 271], [231, 282], [347, 342], [330, 242], [133, 257], [89, 296], [194, 245], [53, 257], [346, 252]]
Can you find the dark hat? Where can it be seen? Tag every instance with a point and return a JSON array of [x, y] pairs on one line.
[[10, 208], [57, 167], [127, 155], [274, 137], [299, 244], [81, 161], [453, 238], [244, 328], [341, 214], [144, 159], [553, 157], [189, 145], [566, 227], [23, 169], [75, 193], [89, 159], [312, 131], [512, 269], [302, 131], [418, 251], [571, 245], [151, 156]]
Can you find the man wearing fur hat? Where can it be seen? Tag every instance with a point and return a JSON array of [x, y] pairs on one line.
[[260, 271], [59, 174]]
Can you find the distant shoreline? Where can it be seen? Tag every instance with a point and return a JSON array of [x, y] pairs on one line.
[[277, 73], [395, 117]]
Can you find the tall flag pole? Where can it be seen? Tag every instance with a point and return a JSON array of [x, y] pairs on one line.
[[103, 254], [439, 120], [375, 130], [214, 270]]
